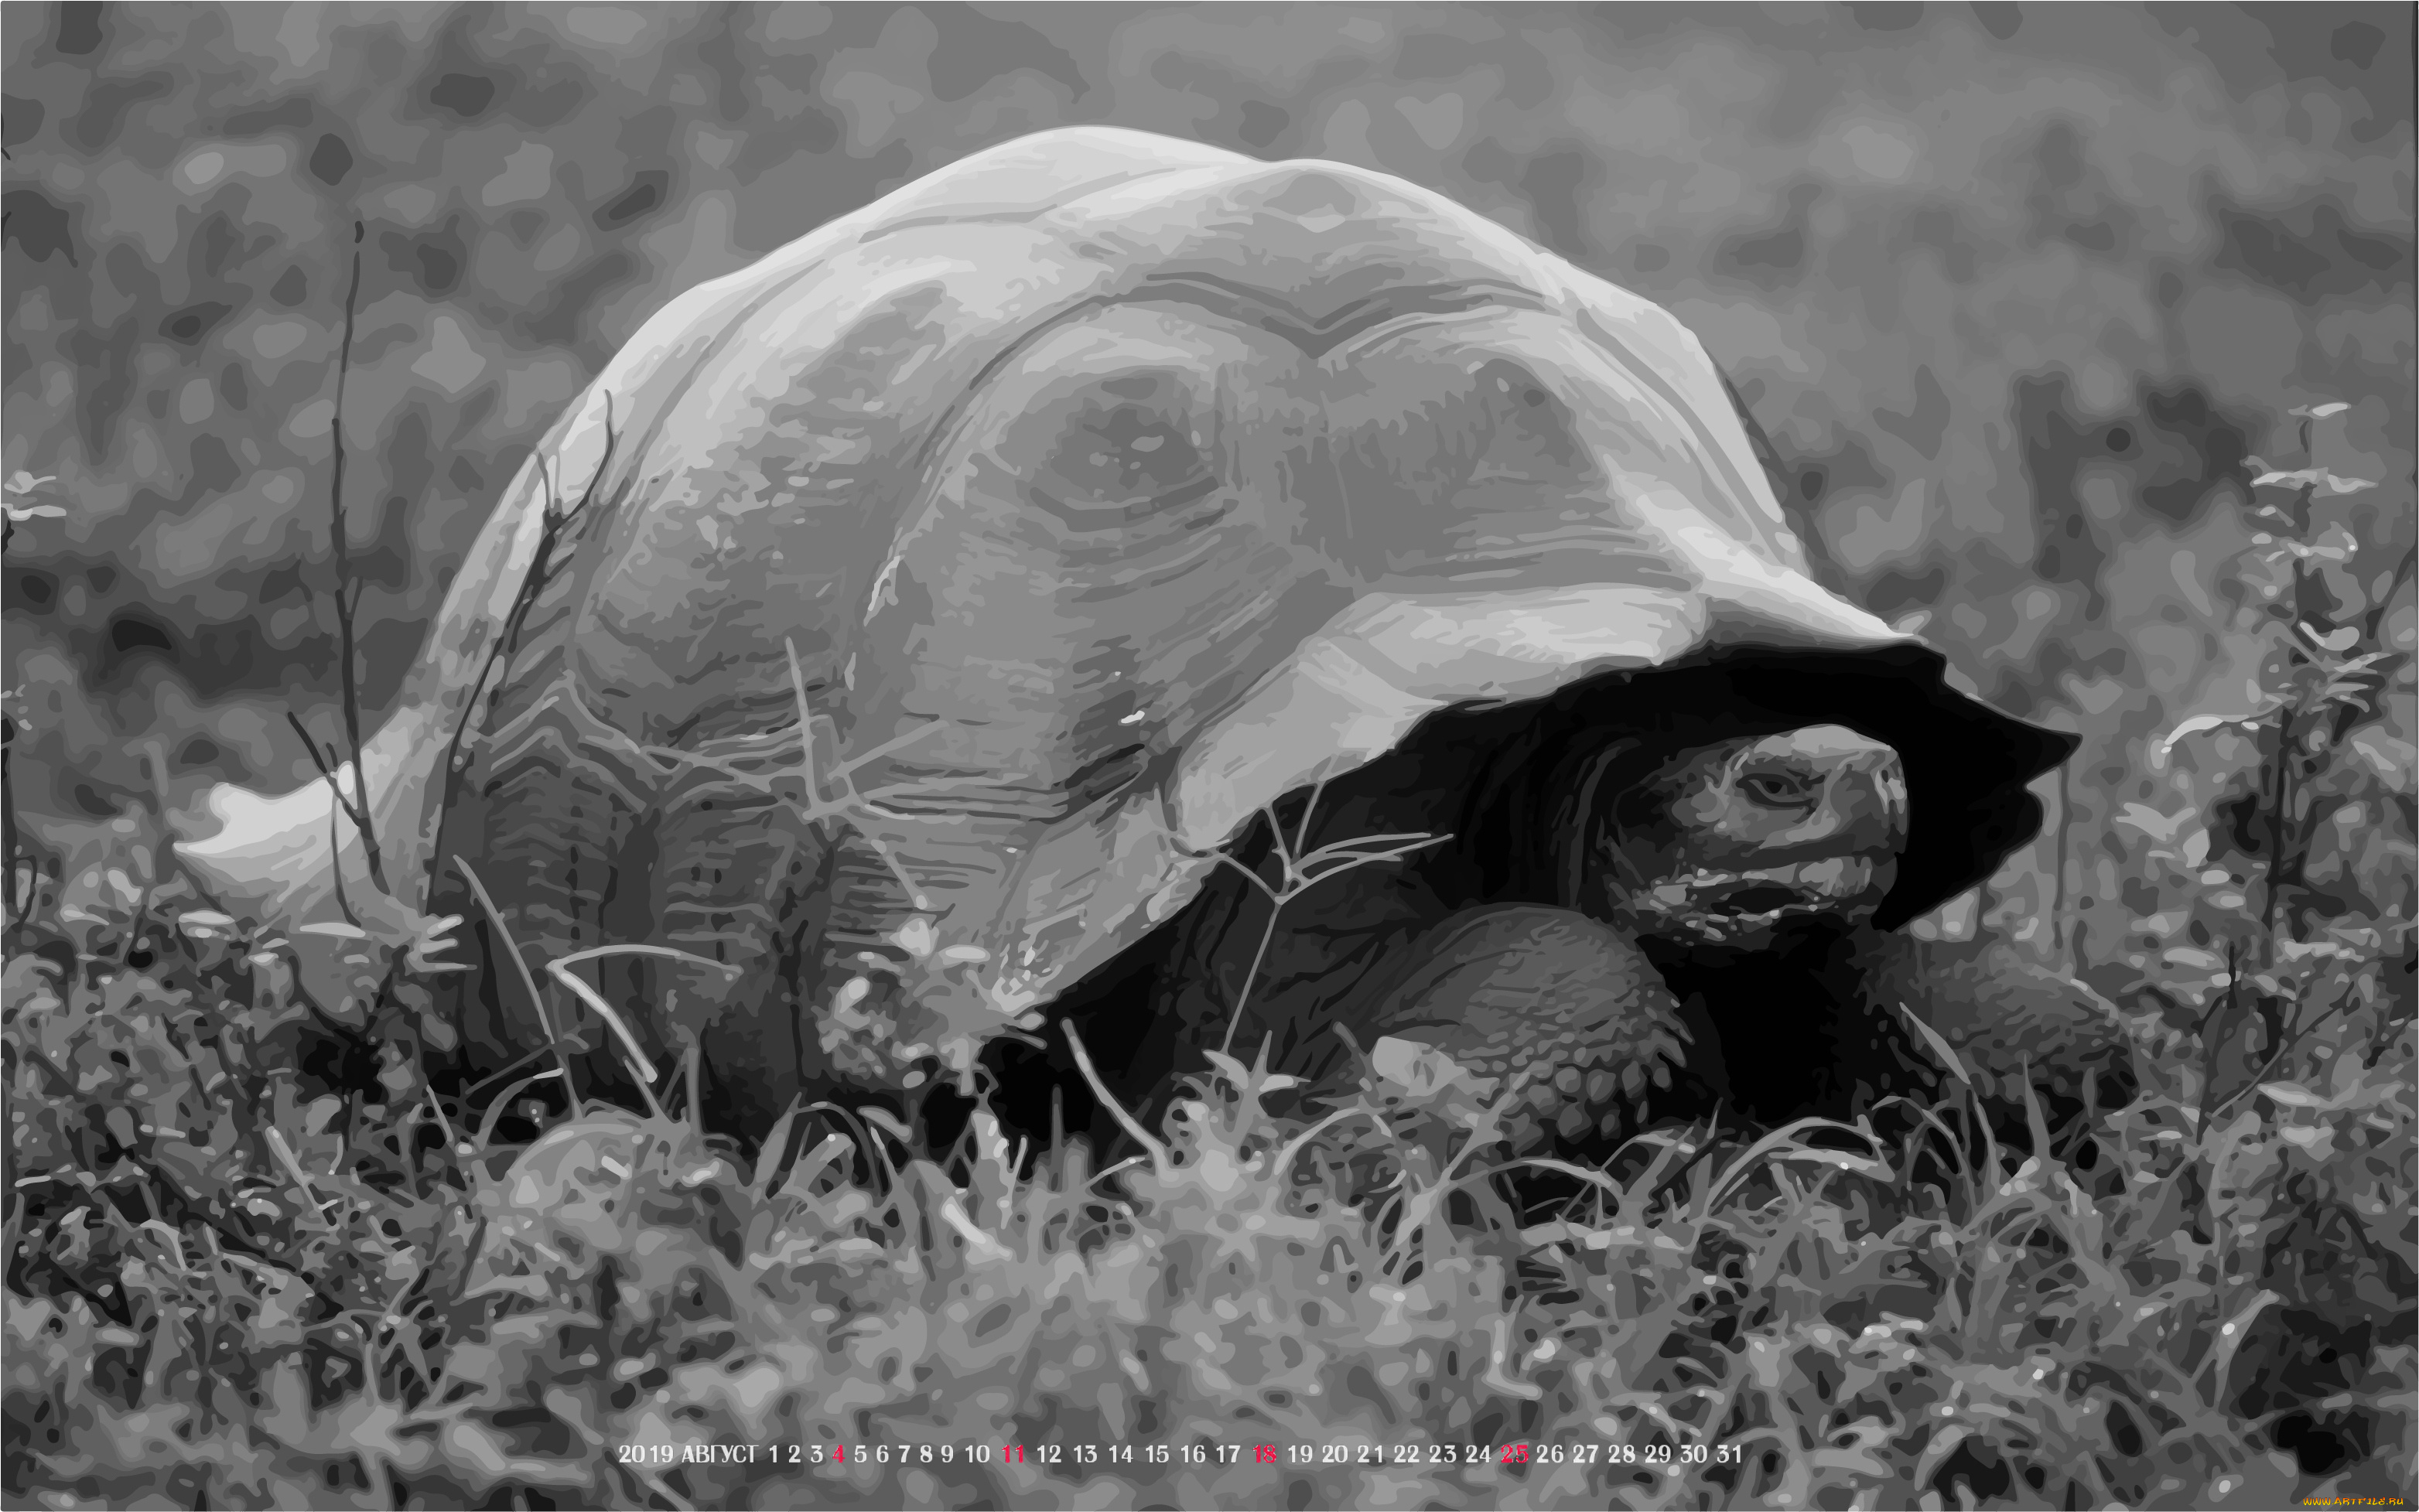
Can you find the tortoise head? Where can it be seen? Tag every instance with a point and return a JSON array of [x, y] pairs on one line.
[[1735, 843]]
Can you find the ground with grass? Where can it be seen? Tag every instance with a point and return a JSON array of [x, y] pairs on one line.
[[234, 1283]]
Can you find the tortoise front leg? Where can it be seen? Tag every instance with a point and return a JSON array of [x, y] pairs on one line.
[[2009, 1019], [1586, 1043]]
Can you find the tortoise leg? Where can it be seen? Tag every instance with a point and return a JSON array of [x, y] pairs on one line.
[[1587, 1044], [2007, 1020], [732, 881], [542, 820], [585, 842]]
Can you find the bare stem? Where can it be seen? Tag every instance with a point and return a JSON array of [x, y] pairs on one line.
[[1298, 871], [2298, 1031], [355, 806], [348, 607], [2279, 755], [2062, 930], [335, 871], [21, 864], [345, 807], [1243, 998], [2223, 1012]]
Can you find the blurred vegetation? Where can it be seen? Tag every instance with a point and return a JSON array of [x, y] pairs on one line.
[[2017, 292], [2086, 337]]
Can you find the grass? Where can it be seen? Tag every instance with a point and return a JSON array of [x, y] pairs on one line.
[[229, 1287]]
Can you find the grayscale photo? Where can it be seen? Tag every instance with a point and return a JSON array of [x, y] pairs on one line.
[[1216, 756]]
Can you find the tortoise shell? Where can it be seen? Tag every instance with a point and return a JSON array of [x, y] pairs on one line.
[[1076, 501]]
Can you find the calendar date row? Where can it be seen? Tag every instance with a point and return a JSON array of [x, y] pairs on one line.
[[1373, 1456]]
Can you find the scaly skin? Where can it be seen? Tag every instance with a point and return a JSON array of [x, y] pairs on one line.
[[2006, 1018], [1615, 1052], [1716, 859], [1590, 1045], [1723, 847]]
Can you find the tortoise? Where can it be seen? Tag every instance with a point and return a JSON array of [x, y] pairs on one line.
[[902, 628]]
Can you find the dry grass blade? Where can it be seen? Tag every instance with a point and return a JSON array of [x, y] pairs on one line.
[[1347, 854], [877, 1155], [528, 981], [815, 808], [1783, 1144], [2036, 1125], [1158, 1156], [637, 1055], [770, 1154], [1968, 1183], [1941, 1049], [2229, 1340], [496, 1110], [1301, 1141], [301, 1178], [811, 1167], [633, 1053], [1499, 1356]]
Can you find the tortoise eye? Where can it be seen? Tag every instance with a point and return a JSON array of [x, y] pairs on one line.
[[1773, 789], [1122, 466]]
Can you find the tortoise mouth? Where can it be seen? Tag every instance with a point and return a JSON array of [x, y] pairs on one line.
[[1831, 883], [1768, 899], [1843, 887], [1743, 909]]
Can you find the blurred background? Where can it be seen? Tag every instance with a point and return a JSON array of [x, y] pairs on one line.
[[2026, 296]]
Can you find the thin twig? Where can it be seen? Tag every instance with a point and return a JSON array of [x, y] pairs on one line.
[[2289, 1044], [326, 764], [1243, 996], [1300, 872], [343, 549], [336, 863], [2221, 1011], [437, 1109], [19, 901]]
